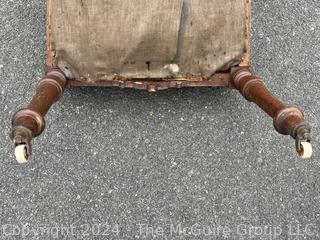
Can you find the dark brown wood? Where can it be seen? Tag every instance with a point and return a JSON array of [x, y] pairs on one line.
[[153, 85], [29, 122], [49, 90], [288, 120]]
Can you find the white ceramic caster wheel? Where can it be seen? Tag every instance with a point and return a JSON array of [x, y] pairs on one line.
[[21, 153], [306, 150]]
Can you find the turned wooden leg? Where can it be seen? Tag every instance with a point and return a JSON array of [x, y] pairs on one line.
[[288, 120], [29, 122]]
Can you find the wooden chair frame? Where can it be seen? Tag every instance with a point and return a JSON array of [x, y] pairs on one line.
[[288, 120]]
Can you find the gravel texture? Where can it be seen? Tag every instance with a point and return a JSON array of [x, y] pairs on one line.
[[114, 158]]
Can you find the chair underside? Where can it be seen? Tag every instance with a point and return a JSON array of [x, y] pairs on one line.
[[151, 45], [96, 41]]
